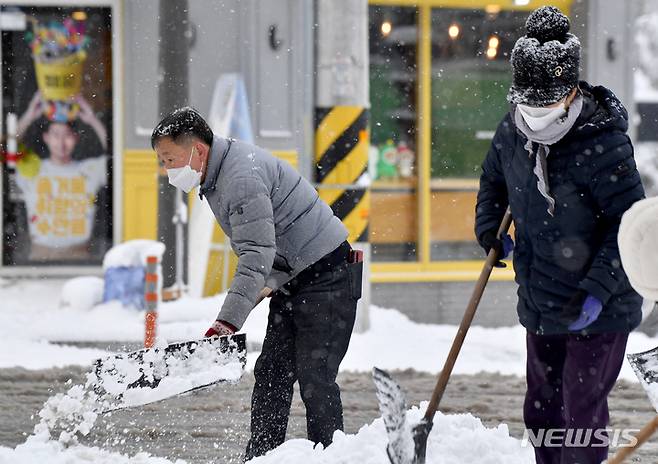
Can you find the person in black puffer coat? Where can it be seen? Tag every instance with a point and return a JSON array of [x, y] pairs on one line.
[[563, 163]]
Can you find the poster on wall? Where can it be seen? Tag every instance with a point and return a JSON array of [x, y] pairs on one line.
[[57, 81]]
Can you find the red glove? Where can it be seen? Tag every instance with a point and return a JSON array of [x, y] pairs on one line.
[[220, 328]]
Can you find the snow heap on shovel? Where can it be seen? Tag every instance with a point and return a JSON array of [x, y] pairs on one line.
[[132, 379]]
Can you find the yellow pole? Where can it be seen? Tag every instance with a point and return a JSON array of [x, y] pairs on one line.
[[424, 131]]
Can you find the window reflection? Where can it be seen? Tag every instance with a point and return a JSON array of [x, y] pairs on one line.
[[470, 79], [393, 74]]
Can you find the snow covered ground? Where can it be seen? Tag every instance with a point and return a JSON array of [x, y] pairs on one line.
[[53, 452], [31, 319]]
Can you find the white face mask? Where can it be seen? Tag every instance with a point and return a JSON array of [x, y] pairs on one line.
[[540, 118], [185, 178]]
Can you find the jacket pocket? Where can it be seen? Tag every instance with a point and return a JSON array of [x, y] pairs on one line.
[[355, 274]]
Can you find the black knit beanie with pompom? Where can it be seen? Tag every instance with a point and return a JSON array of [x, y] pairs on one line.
[[545, 61]]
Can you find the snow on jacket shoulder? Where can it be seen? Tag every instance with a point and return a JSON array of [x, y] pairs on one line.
[[593, 178], [274, 218]]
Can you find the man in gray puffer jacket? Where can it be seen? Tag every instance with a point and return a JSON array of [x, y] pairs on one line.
[[291, 247]]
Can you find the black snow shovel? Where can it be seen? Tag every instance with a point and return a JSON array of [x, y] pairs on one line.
[[645, 366], [408, 444], [148, 375], [153, 374]]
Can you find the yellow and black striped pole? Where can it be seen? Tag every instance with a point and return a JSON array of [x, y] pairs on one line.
[[341, 159], [342, 139]]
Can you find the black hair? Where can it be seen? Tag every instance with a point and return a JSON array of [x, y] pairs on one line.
[[181, 123], [44, 125]]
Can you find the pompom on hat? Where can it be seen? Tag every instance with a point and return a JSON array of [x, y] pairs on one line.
[[545, 61]]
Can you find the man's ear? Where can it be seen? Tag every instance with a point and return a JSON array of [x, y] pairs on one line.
[[204, 151]]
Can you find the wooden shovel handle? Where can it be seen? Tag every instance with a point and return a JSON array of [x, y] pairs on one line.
[[466, 322], [266, 292], [643, 435]]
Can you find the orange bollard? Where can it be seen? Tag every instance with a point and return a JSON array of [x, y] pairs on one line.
[[149, 335], [151, 299]]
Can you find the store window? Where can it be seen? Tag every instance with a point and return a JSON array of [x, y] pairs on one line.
[[393, 38], [470, 79], [470, 75], [57, 94]]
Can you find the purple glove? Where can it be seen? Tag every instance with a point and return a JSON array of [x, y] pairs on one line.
[[508, 245], [503, 247], [590, 312]]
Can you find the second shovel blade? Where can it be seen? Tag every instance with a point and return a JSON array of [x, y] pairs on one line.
[[645, 366]]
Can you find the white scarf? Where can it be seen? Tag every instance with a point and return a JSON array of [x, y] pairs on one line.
[[540, 118], [549, 135]]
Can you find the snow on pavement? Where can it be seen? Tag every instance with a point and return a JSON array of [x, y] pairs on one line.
[[39, 354], [27, 324]]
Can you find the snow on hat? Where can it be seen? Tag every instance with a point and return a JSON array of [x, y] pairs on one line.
[[545, 61], [638, 246]]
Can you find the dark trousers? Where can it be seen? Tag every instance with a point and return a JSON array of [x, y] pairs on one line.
[[569, 378], [308, 331]]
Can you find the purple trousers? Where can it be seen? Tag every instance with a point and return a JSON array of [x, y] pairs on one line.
[[569, 378]]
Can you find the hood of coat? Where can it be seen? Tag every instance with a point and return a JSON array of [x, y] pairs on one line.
[[602, 111]]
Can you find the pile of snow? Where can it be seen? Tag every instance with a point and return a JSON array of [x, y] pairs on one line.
[[82, 293], [454, 439], [53, 452], [132, 253], [646, 157]]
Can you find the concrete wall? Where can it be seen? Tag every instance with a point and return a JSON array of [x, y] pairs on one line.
[[605, 30], [445, 302]]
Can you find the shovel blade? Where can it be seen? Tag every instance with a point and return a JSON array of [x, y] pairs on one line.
[[406, 444], [645, 366], [148, 375], [393, 407]]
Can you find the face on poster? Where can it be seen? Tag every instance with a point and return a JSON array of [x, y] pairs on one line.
[[57, 76]]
